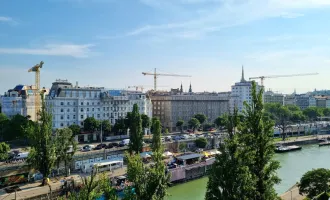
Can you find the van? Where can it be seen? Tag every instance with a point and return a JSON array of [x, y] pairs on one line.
[[124, 142], [21, 156]]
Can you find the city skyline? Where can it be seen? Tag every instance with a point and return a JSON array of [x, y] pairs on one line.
[[110, 42]]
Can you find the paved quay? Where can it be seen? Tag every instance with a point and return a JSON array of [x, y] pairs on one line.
[[34, 189]]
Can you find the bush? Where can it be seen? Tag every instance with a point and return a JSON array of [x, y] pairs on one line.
[[201, 142]]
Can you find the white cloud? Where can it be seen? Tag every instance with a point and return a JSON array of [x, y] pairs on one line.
[[6, 19], [78, 51], [219, 14]]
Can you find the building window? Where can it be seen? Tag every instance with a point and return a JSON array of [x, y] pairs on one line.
[[62, 103], [81, 116], [98, 103], [68, 110], [87, 109], [62, 117], [74, 110], [93, 103], [82, 103], [61, 124], [68, 103], [68, 117], [68, 124], [87, 103], [98, 115], [98, 109], [74, 116], [62, 110], [74, 103], [82, 110], [81, 123]]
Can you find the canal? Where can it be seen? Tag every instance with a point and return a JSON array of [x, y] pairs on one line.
[[293, 166]]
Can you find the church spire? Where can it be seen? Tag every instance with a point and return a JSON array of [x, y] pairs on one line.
[[181, 88], [190, 90], [242, 78]]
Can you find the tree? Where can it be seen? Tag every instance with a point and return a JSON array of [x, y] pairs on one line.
[[314, 182], [207, 126], [201, 118], [3, 125], [136, 135], [326, 112], [75, 129], [201, 142], [119, 126], [258, 147], [16, 127], [219, 121], [280, 114], [194, 123], [149, 182], [90, 124], [42, 154], [156, 137], [182, 146], [64, 143], [179, 124], [146, 123], [4, 149], [229, 177], [106, 126], [313, 113]]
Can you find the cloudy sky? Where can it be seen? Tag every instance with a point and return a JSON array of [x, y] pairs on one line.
[[110, 42]]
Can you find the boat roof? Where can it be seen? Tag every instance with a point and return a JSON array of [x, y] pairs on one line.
[[100, 163], [190, 156]]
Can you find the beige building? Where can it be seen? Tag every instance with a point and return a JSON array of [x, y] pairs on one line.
[[172, 106], [271, 97]]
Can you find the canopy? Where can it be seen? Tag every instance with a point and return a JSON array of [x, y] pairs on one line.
[[167, 153]]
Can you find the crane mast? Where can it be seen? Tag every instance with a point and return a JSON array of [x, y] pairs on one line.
[[155, 74]]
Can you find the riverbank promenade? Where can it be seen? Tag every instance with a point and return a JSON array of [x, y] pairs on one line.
[[292, 194], [31, 190]]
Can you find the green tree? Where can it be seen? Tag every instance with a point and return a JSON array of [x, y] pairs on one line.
[[326, 112], [281, 115], [135, 130], [201, 142], [4, 149], [106, 126], [91, 124], [16, 127], [182, 146], [66, 146], [146, 122], [220, 121], [156, 137], [194, 123], [313, 113], [75, 129], [229, 178], [314, 182], [207, 126], [201, 118], [179, 124], [42, 154], [120, 126], [3, 125], [258, 147]]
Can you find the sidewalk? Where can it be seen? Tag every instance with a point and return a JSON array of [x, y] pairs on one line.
[[34, 189]]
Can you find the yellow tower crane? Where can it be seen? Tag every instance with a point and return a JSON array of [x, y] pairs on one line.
[[262, 78], [37, 97], [155, 74]]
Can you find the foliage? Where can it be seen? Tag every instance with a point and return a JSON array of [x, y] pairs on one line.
[[149, 182], [220, 121], [156, 137], [108, 191], [326, 112], [194, 123], [201, 118], [179, 124], [106, 126], [64, 141], [120, 126], [42, 154], [182, 146], [14, 128], [313, 112], [229, 178], [3, 125], [135, 133], [207, 126], [146, 123], [75, 129], [4, 149], [201, 142], [90, 124], [258, 148], [314, 182]]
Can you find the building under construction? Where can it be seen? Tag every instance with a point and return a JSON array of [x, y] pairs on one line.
[[21, 100]]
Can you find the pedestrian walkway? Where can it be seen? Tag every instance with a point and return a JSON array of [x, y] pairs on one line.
[[292, 194]]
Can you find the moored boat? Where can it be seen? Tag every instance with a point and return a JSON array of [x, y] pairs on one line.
[[283, 149]]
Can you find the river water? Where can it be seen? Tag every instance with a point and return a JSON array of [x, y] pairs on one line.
[[293, 166]]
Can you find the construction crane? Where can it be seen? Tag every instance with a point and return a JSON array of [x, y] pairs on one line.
[[155, 74], [262, 78], [36, 69]]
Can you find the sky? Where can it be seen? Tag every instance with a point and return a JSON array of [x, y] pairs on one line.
[[110, 43]]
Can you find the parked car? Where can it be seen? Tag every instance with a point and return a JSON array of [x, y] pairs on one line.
[[177, 138], [100, 146], [109, 146], [184, 137], [190, 131], [192, 135], [124, 143], [87, 147], [115, 144], [168, 138]]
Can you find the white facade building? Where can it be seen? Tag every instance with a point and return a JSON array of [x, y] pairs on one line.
[[312, 102], [73, 104], [240, 93]]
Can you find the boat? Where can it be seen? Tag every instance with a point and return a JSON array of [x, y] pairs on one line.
[[283, 149], [325, 143]]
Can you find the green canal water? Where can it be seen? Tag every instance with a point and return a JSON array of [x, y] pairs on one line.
[[293, 166]]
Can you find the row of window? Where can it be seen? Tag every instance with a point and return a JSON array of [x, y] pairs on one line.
[[105, 103]]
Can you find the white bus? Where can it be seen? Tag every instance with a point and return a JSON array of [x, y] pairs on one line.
[[101, 166]]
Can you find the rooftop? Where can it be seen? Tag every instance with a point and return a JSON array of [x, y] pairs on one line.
[[190, 156]]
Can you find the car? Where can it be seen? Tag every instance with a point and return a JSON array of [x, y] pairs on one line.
[[115, 144], [192, 135], [100, 146], [190, 131], [168, 138], [177, 137], [86, 148], [109, 146]]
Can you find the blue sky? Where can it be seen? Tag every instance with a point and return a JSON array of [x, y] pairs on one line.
[[110, 42]]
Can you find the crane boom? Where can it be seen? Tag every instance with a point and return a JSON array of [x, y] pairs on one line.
[[280, 76], [155, 74]]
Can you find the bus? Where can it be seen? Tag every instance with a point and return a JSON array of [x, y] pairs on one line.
[[101, 166]]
